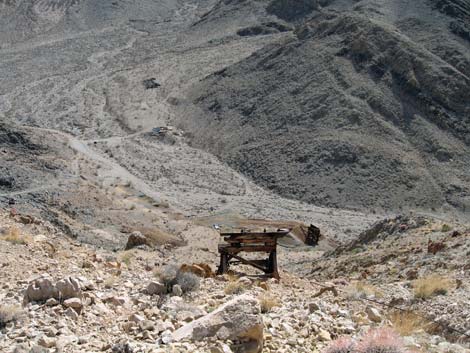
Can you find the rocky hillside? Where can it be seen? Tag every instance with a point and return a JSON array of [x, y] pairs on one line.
[[365, 105], [59, 295], [130, 131]]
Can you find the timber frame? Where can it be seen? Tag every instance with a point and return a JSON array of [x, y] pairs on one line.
[[244, 241]]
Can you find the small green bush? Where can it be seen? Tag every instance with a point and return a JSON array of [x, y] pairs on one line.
[[188, 281], [171, 275], [446, 228]]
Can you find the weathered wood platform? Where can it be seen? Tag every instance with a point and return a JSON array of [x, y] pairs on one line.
[[262, 242]]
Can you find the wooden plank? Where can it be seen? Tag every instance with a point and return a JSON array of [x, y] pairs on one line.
[[257, 248], [249, 237], [267, 234], [252, 236], [252, 241]]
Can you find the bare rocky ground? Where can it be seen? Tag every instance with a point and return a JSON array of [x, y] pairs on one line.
[[80, 171], [114, 300]]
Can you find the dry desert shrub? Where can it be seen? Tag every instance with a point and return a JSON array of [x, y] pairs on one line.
[[9, 313], [408, 322], [110, 282], [126, 257], [267, 302], [234, 287], [341, 345], [382, 340], [430, 286], [446, 228], [362, 289], [188, 281], [13, 235], [172, 274]]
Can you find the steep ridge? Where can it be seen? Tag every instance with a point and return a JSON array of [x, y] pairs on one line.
[[359, 109]]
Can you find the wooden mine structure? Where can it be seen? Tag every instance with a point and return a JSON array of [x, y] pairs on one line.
[[244, 241]]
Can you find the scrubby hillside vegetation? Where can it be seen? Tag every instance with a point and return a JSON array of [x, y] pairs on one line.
[[365, 105]]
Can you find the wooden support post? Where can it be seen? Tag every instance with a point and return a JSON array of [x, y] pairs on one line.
[[223, 267], [273, 265]]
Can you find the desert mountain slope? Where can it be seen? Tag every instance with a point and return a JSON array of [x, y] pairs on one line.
[[367, 104]]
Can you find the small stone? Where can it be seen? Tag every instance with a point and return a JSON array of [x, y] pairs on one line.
[[47, 342], [373, 314], [136, 318], [244, 281], [51, 302], [117, 301], [155, 287], [71, 313], [166, 337], [313, 307], [146, 325], [324, 335], [177, 290], [74, 303]]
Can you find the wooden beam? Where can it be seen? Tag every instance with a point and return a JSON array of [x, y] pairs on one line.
[[267, 234], [256, 248], [252, 241], [251, 263]]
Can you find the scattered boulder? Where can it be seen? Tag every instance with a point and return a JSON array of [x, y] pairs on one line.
[[68, 288], [373, 314], [40, 290], [74, 303], [238, 319], [155, 287]]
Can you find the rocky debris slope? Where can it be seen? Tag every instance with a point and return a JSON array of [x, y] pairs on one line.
[[407, 262], [58, 295], [364, 107]]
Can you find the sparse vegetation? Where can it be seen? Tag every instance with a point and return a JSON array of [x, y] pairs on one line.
[[126, 257], [171, 275], [341, 345], [382, 340], [110, 282], [446, 228], [362, 289], [13, 235], [430, 286], [234, 287], [188, 281], [9, 313], [408, 322], [267, 302]]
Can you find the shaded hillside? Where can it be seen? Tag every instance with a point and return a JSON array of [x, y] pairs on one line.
[[351, 112]]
